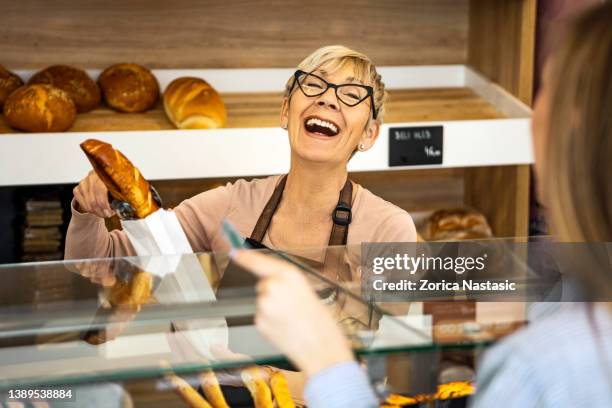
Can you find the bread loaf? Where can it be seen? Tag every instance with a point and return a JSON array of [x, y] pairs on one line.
[[191, 103], [129, 87], [119, 175], [81, 88], [456, 224], [40, 108], [9, 82]]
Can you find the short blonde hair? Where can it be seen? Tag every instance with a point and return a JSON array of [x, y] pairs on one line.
[[334, 57]]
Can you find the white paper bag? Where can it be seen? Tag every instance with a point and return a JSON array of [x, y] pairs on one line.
[[164, 251], [158, 234]]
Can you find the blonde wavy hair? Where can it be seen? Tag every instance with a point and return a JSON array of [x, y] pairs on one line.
[[335, 57]]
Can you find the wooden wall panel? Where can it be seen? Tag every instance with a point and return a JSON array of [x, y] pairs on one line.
[[502, 195], [501, 43], [219, 34]]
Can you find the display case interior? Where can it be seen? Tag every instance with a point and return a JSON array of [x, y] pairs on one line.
[[142, 322]]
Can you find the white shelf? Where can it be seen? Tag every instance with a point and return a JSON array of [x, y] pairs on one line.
[[29, 159]]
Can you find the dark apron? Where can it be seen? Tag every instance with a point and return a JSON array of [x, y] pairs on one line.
[[235, 280]]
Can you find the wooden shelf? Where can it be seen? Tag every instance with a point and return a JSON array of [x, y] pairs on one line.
[[249, 110], [482, 124]]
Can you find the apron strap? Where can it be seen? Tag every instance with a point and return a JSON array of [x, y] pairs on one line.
[[266, 215], [341, 215]]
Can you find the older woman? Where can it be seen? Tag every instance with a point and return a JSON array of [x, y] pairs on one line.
[[564, 360], [332, 109]]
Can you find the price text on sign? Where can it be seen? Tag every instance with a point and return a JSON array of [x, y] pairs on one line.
[[415, 146]]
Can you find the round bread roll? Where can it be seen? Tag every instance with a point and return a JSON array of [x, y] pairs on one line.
[[191, 103], [40, 108], [456, 224], [8, 83], [81, 88], [129, 87]]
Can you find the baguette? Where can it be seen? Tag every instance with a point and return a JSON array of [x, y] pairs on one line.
[[122, 179]]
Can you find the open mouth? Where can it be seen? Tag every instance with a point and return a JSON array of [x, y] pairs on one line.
[[320, 126]]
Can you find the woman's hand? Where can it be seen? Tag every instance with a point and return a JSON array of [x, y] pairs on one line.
[[92, 196], [291, 316]]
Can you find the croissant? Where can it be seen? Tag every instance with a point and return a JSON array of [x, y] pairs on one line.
[[123, 180]]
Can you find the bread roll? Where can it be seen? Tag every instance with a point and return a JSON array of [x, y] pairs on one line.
[[191, 103], [40, 108], [129, 87], [81, 88], [212, 390], [456, 224], [119, 175], [8, 83], [260, 392], [281, 392]]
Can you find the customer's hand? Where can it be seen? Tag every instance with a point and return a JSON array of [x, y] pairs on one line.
[[291, 316], [92, 196]]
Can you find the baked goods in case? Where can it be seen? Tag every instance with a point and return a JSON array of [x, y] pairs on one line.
[[121, 178], [281, 392], [255, 382], [134, 293], [40, 108], [189, 394], [456, 224], [129, 87], [191, 103], [9, 82], [82, 89], [212, 390]]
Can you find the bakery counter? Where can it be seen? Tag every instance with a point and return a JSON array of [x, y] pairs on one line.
[[150, 325], [476, 123]]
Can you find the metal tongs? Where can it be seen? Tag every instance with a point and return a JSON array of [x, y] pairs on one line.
[[124, 210]]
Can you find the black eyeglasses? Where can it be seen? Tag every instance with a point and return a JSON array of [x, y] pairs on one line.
[[348, 94]]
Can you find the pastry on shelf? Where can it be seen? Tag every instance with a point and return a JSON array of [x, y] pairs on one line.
[[129, 87], [9, 82], [40, 108], [456, 225], [191, 103], [74, 81], [122, 179]]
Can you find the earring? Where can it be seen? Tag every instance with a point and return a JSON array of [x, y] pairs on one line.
[[284, 126], [361, 146]]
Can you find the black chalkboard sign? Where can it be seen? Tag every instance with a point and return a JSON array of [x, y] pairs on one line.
[[415, 146]]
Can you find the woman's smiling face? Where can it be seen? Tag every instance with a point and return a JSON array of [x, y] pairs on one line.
[[321, 128]]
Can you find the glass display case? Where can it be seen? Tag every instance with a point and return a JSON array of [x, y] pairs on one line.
[[122, 331]]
